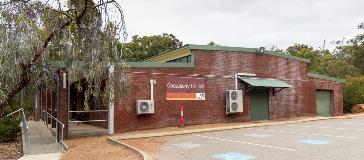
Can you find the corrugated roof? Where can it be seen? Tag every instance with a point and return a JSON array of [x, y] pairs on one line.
[[318, 76], [265, 82], [226, 48]]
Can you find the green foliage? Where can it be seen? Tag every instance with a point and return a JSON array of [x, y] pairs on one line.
[[305, 51], [330, 65], [353, 51], [142, 48], [346, 61], [324, 62], [9, 129], [35, 33], [212, 43], [9, 126], [353, 92]]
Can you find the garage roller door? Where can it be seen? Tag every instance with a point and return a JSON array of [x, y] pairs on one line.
[[323, 103]]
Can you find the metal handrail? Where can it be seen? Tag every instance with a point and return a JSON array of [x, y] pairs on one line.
[[98, 120], [86, 121], [24, 129], [23, 119], [54, 118], [64, 146], [88, 111]]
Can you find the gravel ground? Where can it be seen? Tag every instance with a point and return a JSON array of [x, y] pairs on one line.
[[95, 148], [11, 150]]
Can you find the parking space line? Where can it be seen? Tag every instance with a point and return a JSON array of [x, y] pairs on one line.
[[234, 156], [187, 145], [349, 123], [305, 133], [327, 127], [248, 143], [315, 141]]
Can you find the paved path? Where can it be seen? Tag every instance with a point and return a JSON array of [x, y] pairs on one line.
[[334, 139], [41, 143]]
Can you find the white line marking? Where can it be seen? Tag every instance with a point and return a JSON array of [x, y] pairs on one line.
[[289, 125], [304, 133], [349, 123], [258, 135], [323, 127], [341, 128], [248, 143], [187, 145]]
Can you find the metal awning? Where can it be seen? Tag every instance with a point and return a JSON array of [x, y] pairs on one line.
[[265, 82]]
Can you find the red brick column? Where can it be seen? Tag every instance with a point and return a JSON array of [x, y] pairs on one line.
[[49, 105], [54, 107], [63, 102]]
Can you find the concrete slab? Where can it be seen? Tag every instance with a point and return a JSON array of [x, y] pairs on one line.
[[41, 140], [49, 156]]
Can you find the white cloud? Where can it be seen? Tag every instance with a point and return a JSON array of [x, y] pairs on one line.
[[246, 23]]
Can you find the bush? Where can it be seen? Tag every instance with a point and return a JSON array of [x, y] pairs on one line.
[[9, 126], [9, 129], [353, 92]]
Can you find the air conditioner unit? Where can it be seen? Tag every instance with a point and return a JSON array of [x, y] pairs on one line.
[[234, 101], [145, 107]]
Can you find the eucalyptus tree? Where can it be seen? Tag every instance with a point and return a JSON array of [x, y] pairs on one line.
[[35, 33]]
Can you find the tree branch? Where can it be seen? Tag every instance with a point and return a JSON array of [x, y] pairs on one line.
[[64, 13], [25, 75]]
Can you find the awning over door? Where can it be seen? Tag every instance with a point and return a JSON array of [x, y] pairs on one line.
[[265, 82]]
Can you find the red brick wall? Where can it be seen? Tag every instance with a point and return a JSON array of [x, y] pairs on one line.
[[63, 103], [296, 101]]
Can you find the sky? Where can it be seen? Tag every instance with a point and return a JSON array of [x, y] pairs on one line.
[[246, 23]]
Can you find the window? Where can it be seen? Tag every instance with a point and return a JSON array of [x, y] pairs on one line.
[[186, 59]]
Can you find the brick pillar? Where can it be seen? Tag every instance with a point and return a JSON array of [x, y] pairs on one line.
[[54, 107], [49, 105], [63, 98]]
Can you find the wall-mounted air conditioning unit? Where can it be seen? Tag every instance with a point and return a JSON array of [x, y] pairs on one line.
[[145, 107], [234, 101]]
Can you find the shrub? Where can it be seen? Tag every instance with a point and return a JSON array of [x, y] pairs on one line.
[[9, 129], [9, 126], [353, 92]]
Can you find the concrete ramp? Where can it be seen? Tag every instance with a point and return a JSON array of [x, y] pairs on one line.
[[41, 142]]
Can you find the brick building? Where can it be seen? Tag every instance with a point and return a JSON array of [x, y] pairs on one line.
[[272, 86]]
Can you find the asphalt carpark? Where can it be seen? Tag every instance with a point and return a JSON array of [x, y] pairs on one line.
[[319, 140]]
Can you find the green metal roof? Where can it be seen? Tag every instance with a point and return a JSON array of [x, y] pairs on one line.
[[319, 76], [232, 49], [265, 82]]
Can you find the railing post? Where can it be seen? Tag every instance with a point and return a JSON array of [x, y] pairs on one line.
[[47, 120], [62, 132], [57, 134]]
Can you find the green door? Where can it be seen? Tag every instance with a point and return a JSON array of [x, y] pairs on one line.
[[259, 104], [323, 103]]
